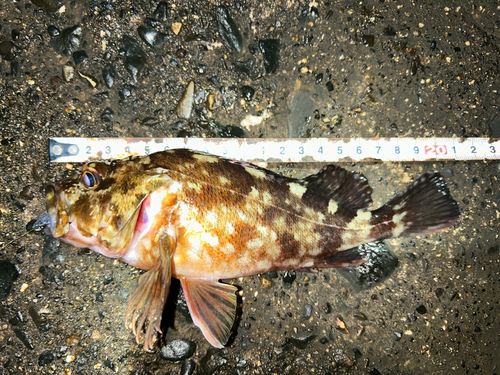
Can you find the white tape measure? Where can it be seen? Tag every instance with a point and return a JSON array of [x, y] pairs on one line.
[[272, 150]]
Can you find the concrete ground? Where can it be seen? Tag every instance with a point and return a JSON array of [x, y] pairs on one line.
[[320, 69]]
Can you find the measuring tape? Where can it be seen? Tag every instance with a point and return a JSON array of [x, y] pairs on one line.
[[277, 150]]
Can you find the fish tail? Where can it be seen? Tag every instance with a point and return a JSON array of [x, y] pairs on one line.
[[425, 207]]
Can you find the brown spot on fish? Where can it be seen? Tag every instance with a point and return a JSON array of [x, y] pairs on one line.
[[290, 247]]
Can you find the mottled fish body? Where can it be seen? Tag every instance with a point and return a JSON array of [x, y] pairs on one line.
[[201, 218]]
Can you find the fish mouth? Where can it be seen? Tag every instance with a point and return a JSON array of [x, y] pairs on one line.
[[42, 223], [56, 219]]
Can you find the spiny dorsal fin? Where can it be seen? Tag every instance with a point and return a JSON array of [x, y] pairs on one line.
[[348, 189], [212, 306]]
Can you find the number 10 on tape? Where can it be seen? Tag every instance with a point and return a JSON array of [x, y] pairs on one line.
[[283, 150]]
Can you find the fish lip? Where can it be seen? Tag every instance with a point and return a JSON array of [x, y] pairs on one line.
[[41, 223], [53, 200]]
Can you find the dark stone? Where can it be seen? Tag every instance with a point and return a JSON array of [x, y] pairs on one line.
[[161, 10], [319, 77], [53, 31], [329, 86], [368, 40], [152, 23], [25, 339], [107, 115], [46, 358], [231, 131], [80, 57], [327, 308], [6, 50], [68, 41], [152, 38], [270, 49], [314, 13], [9, 273], [421, 309], [493, 249], [150, 121], [108, 74], [439, 292], [177, 350], [373, 371], [380, 263], [247, 92], [433, 45], [135, 57], [300, 340], [248, 67], [288, 279], [110, 364], [15, 68], [188, 367], [125, 91], [357, 353], [15, 34], [99, 297], [228, 30], [100, 96], [50, 6], [389, 31]]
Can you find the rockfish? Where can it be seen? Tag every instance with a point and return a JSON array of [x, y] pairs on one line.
[[201, 218]]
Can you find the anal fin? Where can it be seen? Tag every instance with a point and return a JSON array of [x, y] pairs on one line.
[[213, 308], [345, 258], [147, 303]]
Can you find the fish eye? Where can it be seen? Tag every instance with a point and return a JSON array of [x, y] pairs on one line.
[[91, 178]]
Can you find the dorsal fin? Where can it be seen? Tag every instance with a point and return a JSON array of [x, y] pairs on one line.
[[347, 189]]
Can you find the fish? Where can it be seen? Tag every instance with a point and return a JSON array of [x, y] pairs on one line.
[[202, 218]]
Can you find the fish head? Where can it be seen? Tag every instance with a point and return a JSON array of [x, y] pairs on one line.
[[98, 208]]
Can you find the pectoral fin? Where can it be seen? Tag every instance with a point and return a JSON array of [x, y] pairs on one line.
[[147, 303], [213, 308]]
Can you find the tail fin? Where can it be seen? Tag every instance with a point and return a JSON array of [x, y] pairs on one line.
[[425, 207]]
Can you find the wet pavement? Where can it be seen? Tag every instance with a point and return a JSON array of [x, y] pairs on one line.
[[260, 69]]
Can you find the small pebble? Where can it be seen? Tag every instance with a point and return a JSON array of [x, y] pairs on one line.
[[228, 30], [161, 10], [68, 41], [288, 279], [266, 282], [68, 72], [46, 358], [247, 93], [188, 367], [176, 27], [177, 350], [53, 31], [9, 273], [108, 74], [80, 57], [270, 49], [185, 105], [421, 309], [307, 308]]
